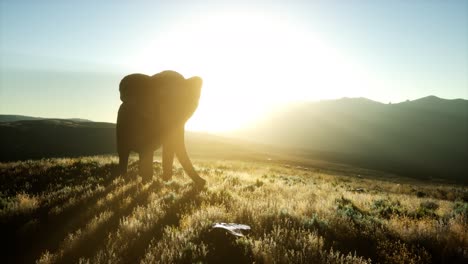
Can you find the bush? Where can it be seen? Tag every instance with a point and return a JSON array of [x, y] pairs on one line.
[[426, 209], [460, 208], [400, 252], [386, 208], [348, 209]]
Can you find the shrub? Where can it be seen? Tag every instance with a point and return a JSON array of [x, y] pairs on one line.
[[400, 252], [426, 209], [460, 208], [315, 223], [429, 205], [348, 209], [386, 208]]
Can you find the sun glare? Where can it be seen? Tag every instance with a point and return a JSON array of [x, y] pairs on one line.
[[250, 63]]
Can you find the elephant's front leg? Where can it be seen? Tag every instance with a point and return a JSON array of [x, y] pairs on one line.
[[123, 162], [167, 159], [146, 165], [182, 156]]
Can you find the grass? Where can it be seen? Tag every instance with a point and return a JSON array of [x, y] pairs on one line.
[[79, 211]]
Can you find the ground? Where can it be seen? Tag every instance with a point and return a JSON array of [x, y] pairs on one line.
[[79, 210]]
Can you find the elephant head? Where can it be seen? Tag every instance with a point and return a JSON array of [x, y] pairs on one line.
[[177, 97], [153, 112]]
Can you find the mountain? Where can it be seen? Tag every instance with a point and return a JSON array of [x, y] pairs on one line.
[[427, 137], [13, 118]]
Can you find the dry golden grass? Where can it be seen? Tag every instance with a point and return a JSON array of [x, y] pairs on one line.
[[77, 210]]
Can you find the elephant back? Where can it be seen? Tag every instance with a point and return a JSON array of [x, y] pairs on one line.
[[166, 77]]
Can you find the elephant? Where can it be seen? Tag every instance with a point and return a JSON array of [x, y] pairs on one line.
[[153, 113]]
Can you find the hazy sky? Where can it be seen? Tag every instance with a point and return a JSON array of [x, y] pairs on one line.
[[66, 58]]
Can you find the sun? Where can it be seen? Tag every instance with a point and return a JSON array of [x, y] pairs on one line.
[[249, 64]]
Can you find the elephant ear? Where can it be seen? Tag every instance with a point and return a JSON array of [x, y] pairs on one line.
[[134, 88], [193, 87]]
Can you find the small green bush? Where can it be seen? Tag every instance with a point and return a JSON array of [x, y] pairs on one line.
[[386, 208], [426, 209]]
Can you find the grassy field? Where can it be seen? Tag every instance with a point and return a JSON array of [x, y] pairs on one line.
[[79, 211]]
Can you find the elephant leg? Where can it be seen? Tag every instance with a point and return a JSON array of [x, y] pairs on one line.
[[123, 162], [184, 159], [146, 165], [167, 160]]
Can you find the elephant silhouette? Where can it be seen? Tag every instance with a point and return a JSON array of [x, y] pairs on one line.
[[153, 113]]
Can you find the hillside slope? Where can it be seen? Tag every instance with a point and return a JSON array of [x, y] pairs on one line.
[[428, 136], [33, 139], [45, 138]]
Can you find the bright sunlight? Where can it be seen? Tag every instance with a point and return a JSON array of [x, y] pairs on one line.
[[249, 64]]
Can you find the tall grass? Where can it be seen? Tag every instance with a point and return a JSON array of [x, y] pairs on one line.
[[79, 210]]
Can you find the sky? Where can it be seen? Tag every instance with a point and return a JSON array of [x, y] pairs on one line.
[[66, 58]]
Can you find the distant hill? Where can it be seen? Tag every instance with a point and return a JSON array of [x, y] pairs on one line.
[[13, 118], [425, 137], [42, 138]]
